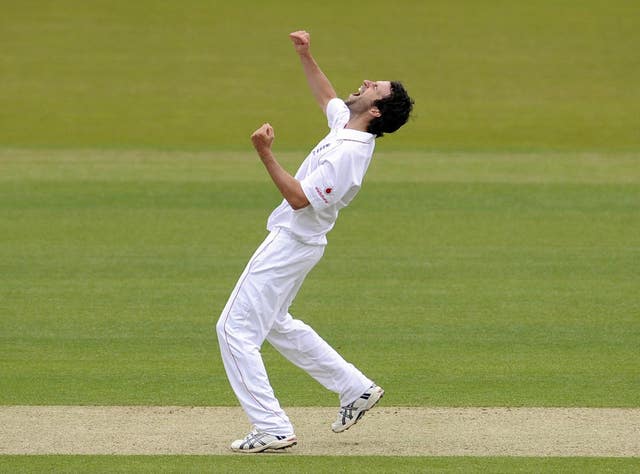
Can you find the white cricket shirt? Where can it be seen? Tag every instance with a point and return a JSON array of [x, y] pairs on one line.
[[330, 175]]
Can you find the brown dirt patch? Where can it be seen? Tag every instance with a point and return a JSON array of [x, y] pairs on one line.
[[389, 431]]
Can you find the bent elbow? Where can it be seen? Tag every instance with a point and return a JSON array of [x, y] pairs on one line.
[[298, 203], [296, 197], [296, 206]]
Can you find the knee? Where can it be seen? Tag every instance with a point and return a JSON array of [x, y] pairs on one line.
[[227, 338], [220, 327], [290, 326], [231, 329]]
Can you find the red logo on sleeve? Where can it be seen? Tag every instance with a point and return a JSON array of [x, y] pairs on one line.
[[319, 192], [328, 190]]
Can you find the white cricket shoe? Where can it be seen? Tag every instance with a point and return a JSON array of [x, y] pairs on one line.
[[258, 441], [350, 414]]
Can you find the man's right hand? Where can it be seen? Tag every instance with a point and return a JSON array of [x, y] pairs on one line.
[[301, 41]]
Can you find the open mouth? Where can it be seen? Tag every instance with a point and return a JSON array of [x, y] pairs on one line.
[[359, 91]]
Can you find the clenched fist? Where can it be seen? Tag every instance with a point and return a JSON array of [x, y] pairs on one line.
[[262, 140], [301, 41]]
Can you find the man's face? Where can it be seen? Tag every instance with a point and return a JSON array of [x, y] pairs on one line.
[[367, 94]]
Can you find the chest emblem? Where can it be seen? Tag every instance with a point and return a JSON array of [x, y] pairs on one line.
[[321, 148]]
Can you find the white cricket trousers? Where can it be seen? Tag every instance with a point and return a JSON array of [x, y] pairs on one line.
[[257, 310]]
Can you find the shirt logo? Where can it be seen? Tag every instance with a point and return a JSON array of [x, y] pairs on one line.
[[320, 148], [319, 192], [328, 191]]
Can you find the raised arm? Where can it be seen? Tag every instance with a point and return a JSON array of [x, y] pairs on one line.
[[318, 82], [289, 187]]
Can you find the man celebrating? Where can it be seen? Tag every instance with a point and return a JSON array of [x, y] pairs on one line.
[[258, 307]]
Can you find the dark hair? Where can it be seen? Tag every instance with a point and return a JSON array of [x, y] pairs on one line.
[[394, 111]]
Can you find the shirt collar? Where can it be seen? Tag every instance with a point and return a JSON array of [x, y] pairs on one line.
[[355, 135]]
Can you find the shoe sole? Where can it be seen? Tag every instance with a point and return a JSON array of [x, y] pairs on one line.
[[274, 446], [373, 401]]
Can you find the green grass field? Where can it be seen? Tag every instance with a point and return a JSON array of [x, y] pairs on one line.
[[491, 259], [484, 290], [329, 465], [199, 74]]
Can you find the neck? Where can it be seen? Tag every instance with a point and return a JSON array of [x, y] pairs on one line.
[[358, 122]]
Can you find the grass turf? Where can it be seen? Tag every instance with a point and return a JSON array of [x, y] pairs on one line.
[[196, 74], [284, 463], [515, 284]]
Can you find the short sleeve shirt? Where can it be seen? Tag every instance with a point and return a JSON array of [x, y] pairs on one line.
[[331, 176]]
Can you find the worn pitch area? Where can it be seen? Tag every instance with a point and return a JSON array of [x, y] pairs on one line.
[[388, 431]]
